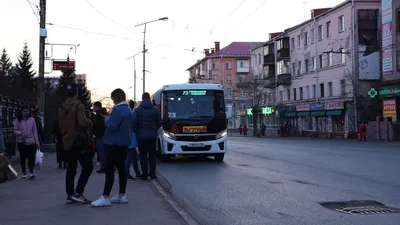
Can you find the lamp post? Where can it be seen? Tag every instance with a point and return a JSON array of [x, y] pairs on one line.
[[144, 47], [134, 73], [72, 48]]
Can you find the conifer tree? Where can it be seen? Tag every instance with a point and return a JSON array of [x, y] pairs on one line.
[[5, 63]]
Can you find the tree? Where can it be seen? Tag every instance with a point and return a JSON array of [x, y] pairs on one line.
[[259, 89], [24, 68], [66, 78], [84, 94], [5, 63]]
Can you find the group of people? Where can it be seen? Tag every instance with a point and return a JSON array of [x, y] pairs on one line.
[[120, 136]]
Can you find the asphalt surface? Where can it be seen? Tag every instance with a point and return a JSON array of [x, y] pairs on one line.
[[282, 181], [42, 202]]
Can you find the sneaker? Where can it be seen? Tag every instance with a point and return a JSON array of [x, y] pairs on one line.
[[153, 176], [102, 170], [130, 177], [23, 176], [119, 199], [143, 177], [32, 176], [78, 198], [101, 202], [69, 200]]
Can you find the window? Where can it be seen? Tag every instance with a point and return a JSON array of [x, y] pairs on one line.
[[243, 106], [312, 39], [228, 65], [306, 64], [228, 79], [293, 68], [292, 44], [314, 63], [294, 94], [214, 65], [321, 62], [241, 92], [330, 89], [342, 87], [229, 92], [330, 59], [241, 78], [214, 79], [341, 24], [322, 90], [259, 58], [343, 56], [241, 64], [338, 123], [305, 39], [314, 88], [328, 29], [307, 92], [283, 67], [281, 96], [301, 93], [320, 33], [288, 94], [299, 68], [298, 41]]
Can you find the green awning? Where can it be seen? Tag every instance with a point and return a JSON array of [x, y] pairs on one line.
[[303, 113], [318, 113], [334, 113], [290, 114]]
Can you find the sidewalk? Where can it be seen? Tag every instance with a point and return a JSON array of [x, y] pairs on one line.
[[42, 201]]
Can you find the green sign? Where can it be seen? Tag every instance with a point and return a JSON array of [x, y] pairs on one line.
[[194, 92], [372, 93], [390, 91], [249, 112], [267, 110]]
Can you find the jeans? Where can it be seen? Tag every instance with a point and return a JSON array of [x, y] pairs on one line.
[[132, 158], [116, 157], [86, 162], [27, 152], [147, 149], [101, 152]]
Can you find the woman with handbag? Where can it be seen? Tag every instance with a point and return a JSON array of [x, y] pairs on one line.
[[27, 140]]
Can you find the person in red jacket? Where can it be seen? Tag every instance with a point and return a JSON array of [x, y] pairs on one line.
[[362, 131]]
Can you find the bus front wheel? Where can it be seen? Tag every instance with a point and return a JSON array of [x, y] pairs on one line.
[[219, 157]]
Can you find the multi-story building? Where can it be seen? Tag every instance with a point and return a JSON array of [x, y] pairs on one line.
[[231, 67], [320, 69]]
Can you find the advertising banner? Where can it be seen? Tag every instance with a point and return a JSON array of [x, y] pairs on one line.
[[389, 108], [387, 54]]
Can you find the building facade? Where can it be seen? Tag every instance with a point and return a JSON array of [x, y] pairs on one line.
[[231, 67]]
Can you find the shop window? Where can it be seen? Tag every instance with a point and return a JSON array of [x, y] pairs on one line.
[[338, 124], [322, 124]]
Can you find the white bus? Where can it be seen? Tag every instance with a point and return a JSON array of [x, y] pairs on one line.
[[194, 120]]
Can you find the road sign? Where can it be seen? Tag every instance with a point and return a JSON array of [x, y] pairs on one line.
[[64, 65]]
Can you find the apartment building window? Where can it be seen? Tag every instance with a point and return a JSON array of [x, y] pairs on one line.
[[299, 67], [301, 93], [241, 78], [342, 87], [305, 39], [214, 77], [298, 41], [214, 65], [292, 44], [322, 90], [330, 59], [328, 29], [293, 68], [312, 38], [243, 106], [321, 61], [294, 94], [330, 89], [314, 63], [288, 94], [314, 88], [306, 64], [259, 58], [341, 24], [229, 92], [228, 65], [320, 32], [281, 96], [307, 92], [228, 79], [343, 56], [241, 92]]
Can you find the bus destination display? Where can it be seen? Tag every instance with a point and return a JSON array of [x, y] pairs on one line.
[[194, 92]]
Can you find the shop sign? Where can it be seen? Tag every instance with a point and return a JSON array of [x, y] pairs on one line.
[[317, 106], [389, 108], [303, 107], [334, 105], [267, 110], [390, 91]]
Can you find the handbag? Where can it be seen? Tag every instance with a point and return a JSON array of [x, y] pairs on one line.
[[30, 141]]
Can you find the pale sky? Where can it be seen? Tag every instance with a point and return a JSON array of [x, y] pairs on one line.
[[104, 58]]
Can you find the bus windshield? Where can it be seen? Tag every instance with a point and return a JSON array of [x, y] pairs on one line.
[[191, 104]]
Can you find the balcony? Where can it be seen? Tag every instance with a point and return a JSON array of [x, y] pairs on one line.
[[284, 79], [270, 82], [269, 59], [244, 83], [283, 53]]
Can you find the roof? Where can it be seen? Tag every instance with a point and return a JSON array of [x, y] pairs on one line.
[[188, 86]]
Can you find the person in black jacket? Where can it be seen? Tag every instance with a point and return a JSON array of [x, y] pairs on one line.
[[99, 127]]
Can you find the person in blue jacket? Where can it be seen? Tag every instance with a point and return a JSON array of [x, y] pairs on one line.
[[117, 137], [132, 157]]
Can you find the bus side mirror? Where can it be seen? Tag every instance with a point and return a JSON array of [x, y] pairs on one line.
[[229, 112]]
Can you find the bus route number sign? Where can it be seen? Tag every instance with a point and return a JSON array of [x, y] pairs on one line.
[[194, 92]]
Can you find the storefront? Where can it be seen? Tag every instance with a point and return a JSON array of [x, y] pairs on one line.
[[390, 96]]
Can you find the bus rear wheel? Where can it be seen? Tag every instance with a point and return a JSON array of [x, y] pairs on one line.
[[219, 157]]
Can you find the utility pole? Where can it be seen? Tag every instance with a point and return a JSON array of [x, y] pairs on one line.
[[42, 43], [134, 72]]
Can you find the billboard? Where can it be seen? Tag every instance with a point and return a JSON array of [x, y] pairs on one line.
[[64, 65], [387, 42], [389, 108]]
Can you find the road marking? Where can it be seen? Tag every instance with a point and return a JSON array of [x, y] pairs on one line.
[[182, 212]]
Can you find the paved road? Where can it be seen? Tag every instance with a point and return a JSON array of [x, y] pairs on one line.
[[282, 181], [41, 202]]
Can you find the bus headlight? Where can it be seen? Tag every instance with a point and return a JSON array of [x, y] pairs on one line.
[[221, 134], [169, 135]]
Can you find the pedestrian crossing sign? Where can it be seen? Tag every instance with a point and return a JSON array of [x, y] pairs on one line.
[[267, 110]]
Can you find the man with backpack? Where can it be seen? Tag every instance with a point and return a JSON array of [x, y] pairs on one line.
[[75, 128]]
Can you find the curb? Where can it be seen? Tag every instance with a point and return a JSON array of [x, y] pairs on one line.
[[165, 189]]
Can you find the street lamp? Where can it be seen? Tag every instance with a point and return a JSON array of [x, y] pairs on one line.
[[144, 47], [72, 48], [134, 73]]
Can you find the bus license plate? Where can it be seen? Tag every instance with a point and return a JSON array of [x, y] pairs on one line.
[[196, 145], [195, 129]]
